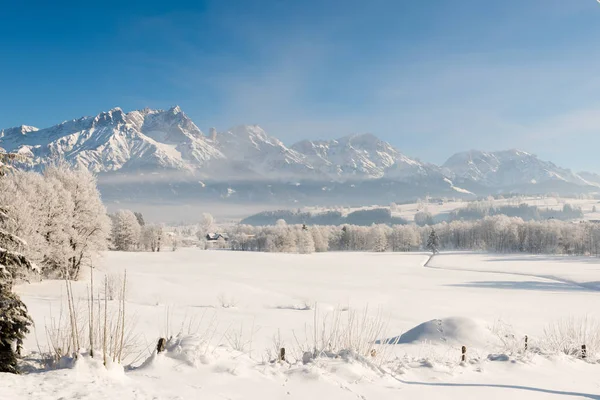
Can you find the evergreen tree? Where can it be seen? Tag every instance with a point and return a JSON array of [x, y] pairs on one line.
[[14, 318], [14, 324], [433, 242], [140, 218]]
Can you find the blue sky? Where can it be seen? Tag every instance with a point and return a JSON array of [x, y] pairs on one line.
[[432, 77]]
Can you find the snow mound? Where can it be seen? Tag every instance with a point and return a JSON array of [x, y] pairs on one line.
[[454, 330]]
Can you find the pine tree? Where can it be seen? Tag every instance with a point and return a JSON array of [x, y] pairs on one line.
[[14, 325], [433, 242], [14, 318]]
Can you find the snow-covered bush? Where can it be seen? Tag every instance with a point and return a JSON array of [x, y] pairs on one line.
[[569, 335]]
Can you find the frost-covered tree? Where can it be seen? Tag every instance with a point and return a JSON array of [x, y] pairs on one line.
[[320, 240], [379, 238], [89, 223], [59, 214], [126, 231], [306, 243], [153, 237], [205, 225]]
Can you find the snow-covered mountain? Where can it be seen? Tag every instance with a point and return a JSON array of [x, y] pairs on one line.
[[360, 156], [157, 140], [117, 141], [249, 148], [507, 168], [262, 167]]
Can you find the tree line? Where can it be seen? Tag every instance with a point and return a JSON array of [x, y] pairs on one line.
[[494, 234], [131, 233]]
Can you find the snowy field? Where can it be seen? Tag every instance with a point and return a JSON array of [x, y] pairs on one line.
[[237, 309]]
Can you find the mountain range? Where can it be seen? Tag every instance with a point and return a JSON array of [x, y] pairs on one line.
[[131, 151]]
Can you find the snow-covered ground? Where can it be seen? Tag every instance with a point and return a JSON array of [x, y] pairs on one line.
[[485, 302]]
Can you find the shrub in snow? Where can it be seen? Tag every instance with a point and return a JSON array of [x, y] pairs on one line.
[[568, 335]]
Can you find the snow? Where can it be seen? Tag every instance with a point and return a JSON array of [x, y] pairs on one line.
[[458, 299], [455, 330]]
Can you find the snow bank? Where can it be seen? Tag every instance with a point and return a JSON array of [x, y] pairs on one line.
[[454, 330]]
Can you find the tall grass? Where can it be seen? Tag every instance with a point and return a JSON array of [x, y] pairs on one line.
[[569, 334], [98, 326], [343, 331]]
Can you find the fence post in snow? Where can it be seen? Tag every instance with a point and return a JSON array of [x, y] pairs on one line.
[[526, 342], [464, 354], [282, 354], [583, 351], [160, 347]]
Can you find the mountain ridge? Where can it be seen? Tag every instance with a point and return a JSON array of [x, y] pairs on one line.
[[160, 141]]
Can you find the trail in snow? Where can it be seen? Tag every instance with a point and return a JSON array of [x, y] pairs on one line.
[[595, 287]]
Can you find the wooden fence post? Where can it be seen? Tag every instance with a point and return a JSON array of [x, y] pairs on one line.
[[464, 354], [282, 354], [583, 351], [526, 339], [162, 343]]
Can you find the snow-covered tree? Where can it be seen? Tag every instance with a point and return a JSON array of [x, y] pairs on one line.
[[153, 237], [126, 231], [379, 238], [205, 225], [321, 242], [306, 243], [433, 242], [59, 215], [90, 225]]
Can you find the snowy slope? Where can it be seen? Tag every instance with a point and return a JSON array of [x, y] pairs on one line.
[[507, 168]]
